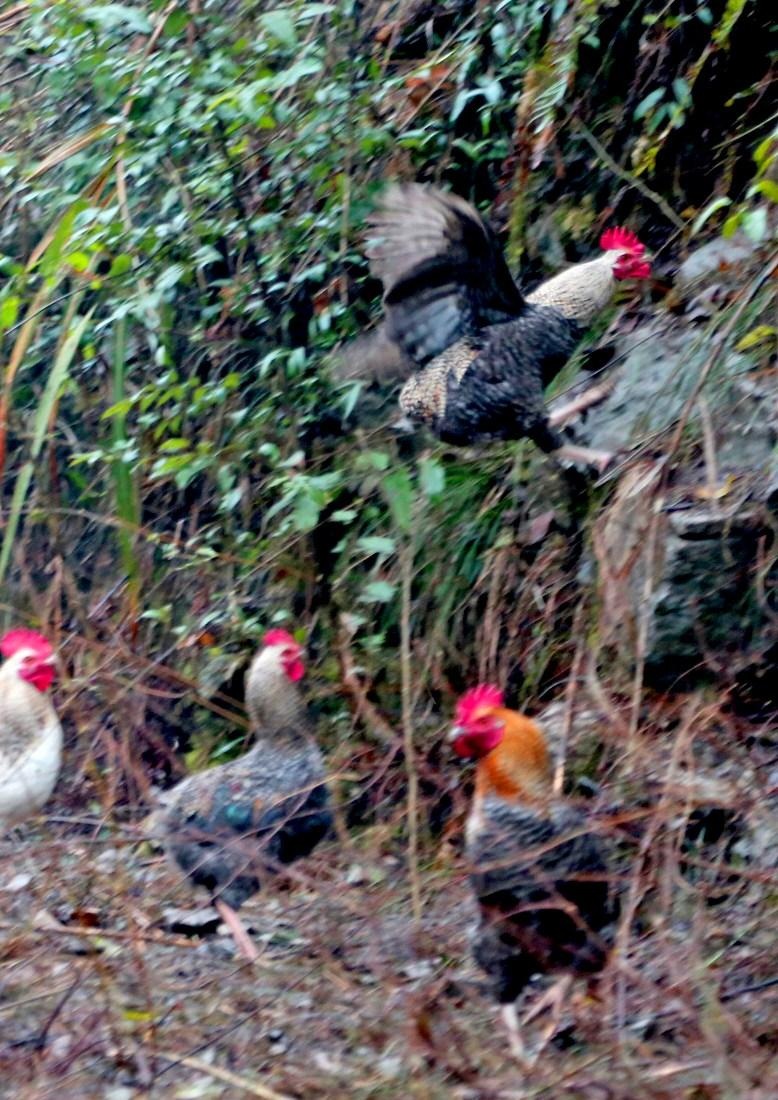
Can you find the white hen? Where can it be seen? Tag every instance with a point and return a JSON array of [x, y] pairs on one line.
[[30, 732]]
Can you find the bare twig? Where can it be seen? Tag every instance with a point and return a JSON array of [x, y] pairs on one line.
[[406, 568], [349, 678], [571, 691], [219, 1074], [628, 178], [592, 396]]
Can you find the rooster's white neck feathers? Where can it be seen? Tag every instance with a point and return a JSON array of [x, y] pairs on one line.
[[580, 292]]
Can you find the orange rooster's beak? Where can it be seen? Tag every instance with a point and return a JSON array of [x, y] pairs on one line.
[[455, 732]]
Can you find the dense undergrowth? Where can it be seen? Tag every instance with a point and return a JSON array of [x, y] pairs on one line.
[[184, 191]]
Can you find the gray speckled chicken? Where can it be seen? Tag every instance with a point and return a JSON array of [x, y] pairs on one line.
[[485, 351], [539, 871], [230, 826]]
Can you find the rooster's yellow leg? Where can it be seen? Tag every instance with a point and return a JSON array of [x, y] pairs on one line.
[[239, 933]]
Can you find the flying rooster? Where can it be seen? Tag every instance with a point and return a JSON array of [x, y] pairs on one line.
[[539, 873], [30, 733], [230, 826], [484, 352]]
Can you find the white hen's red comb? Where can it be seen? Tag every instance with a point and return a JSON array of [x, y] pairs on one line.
[[24, 638], [619, 237], [480, 698], [278, 637]]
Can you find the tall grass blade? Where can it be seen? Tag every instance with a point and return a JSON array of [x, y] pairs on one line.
[[54, 383], [126, 498]]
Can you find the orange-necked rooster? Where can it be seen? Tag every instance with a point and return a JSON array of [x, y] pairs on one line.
[[485, 351], [30, 733], [538, 872], [230, 826]]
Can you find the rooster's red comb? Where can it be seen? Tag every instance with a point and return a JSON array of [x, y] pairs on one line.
[[480, 698], [23, 638], [619, 237], [278, 637]]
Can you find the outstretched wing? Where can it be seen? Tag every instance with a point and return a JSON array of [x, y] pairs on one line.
[[442, 267]]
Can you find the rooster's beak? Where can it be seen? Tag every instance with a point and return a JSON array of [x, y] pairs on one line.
[[454, 733]]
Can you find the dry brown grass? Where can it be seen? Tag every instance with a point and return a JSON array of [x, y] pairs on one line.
[[98, 999]]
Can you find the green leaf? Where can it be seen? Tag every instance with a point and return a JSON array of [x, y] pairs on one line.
[[732, 224], [650, 101], [287, 78], [754, 224], [120, 408], [768, 188], [170, 446], [377, 592], [373, 460], [176, 23], [9, 311], [120, 265], [112, 16], [399, 495], [709, 211], [350, 398], [50, 260], [681, 90], [305, 514], [169, 277], [766, 150], [280, 24], [79, 261], [377, 544], [762, 334], [432, 477]]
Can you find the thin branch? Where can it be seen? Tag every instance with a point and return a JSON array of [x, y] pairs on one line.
[[219, 1074], [406, 674], [628, 178]]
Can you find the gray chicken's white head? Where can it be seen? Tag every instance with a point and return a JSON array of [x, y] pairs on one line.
[[273, 699]]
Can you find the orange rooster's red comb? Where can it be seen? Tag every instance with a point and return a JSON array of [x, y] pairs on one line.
[[619, 237], [278, 637], [481, 698], [23, 638]]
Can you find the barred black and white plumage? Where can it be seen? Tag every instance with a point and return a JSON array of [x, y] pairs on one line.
[[544, 893], [484, 352], [231, 826]]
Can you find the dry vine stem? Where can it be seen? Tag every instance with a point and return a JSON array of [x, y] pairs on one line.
[[406, 566]]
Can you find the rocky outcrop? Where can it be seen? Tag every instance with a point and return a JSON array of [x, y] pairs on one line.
[[684, 551]]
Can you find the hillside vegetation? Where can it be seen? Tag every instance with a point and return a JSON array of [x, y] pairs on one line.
[[184, 461]]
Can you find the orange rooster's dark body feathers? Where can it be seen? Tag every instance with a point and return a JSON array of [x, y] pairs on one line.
[[539, 872]]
